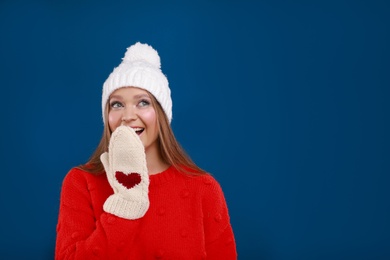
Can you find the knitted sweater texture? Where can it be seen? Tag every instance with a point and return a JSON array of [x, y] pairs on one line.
[[187, 219]]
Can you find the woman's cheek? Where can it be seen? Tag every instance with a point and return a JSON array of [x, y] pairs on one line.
[[149, 116], [113, 120]]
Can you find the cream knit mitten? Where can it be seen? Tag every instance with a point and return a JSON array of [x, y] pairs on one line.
[[125, 165]]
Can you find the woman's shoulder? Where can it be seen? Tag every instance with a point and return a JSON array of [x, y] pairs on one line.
[[78, 175], [208, 190], [202, 181], [206, 179], [76, 172]]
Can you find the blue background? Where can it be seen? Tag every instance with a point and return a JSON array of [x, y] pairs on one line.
[[284, 102]]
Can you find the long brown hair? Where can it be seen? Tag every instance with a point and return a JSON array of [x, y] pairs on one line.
[[171, 151]]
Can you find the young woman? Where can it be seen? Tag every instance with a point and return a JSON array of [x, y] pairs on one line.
[[140, 196]]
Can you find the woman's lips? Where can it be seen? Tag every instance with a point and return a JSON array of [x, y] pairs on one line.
[[138, 130]]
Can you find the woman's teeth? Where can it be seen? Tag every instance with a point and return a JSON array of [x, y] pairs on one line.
[[138, 130]]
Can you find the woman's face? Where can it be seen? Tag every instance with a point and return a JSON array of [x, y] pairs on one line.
[[133, 107]]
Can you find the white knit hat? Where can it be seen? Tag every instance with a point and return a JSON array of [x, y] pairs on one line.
[[141, 68]]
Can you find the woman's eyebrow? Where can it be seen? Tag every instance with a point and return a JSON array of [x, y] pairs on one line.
[[141, 96], [134, 97], [116, 96]]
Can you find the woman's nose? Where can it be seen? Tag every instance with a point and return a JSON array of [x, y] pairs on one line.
[[129, 115]]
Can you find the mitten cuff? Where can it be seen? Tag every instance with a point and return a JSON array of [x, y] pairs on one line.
[[124, 208]]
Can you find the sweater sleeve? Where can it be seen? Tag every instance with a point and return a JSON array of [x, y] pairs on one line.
[[82, 235], [219, 237]]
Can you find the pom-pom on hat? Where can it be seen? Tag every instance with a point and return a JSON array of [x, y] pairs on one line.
[[141, 68]]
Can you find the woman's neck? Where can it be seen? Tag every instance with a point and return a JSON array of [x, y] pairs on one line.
[[154, 161]]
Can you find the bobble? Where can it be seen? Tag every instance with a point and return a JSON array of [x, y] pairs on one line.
[[142, 52], [96, 251], [110, 219], [159, 254], [218, 218]]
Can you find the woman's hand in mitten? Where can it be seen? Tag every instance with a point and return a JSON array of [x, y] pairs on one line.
[[125, 165]]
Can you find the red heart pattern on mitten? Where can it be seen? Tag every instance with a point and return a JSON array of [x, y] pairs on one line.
[[128, 180]]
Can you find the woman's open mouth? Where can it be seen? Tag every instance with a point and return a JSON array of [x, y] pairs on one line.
[[138, 130]]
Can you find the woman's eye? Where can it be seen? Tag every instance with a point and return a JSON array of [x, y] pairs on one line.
[[144, 103], [116, 104]]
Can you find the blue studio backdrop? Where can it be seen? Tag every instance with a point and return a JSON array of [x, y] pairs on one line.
[[286, 103]]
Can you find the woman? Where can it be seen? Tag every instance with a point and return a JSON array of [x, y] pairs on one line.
[[140, 196]]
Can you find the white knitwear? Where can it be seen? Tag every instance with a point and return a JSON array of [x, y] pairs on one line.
[[127, 173], [141, 68]]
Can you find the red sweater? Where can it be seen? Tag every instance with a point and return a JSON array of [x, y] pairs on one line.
[[187, 219]]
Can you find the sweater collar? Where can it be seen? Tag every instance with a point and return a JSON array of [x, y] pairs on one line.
[[165, 176]]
